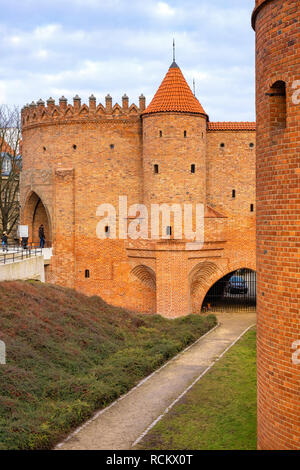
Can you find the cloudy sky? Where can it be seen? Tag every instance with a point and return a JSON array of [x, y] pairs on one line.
[[55, 47]]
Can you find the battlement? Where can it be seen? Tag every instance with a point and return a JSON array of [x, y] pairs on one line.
[[38, 113]]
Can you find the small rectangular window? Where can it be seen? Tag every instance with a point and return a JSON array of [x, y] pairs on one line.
[[184, 134], [193, 168], [160, 133], [156, 169], [87, 273], [107, 230], [169, 230], [233, 194], [251, 207]]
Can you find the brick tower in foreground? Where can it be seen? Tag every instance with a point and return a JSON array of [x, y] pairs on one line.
[[77, 157], [277, 27]]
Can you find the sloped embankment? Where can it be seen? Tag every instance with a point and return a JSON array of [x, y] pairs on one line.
[[68, 355]]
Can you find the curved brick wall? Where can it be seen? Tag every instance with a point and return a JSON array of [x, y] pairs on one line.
[[174, 154], [259, 4], [278, 222]]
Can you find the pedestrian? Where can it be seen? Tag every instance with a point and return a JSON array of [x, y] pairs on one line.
[[24, 242], [42, 236], [4, 242]]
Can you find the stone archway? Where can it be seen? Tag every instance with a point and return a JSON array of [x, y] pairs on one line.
[[203, 277], [144, 280], [146, 275], [36, 213], [199, 281], [235, 290]]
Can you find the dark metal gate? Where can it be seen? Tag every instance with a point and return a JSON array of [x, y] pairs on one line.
[[236, 291]]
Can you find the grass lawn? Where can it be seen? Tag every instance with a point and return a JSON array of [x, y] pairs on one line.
[[68, 355], [219, 413]]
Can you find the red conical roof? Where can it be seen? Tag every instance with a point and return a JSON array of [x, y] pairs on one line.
[[174, 94]]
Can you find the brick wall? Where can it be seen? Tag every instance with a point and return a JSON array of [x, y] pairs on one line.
[[78, 157], [232, 168], [278, 200], [174, 141]]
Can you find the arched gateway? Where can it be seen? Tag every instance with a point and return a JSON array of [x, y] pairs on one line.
[[36, 214], [218, 288], [234, 291]]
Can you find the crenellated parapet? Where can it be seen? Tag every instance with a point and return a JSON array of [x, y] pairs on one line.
[[51, 113]]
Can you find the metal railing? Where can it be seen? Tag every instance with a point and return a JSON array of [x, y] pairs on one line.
[[18, 255], [30, 245]]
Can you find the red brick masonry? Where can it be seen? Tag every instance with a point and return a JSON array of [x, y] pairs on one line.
[[277, 29], [77, 157]]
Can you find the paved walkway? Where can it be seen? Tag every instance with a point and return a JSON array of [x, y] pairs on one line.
[[120, 425]]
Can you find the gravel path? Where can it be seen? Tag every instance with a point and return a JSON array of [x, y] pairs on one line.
[[120, 425]]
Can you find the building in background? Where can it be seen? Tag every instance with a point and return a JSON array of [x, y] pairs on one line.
[[10, 168]]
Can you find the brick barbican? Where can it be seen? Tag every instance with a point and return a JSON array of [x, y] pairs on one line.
[[77, 157]]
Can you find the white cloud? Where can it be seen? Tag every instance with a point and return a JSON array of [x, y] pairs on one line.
[[15, 40], [41, 54], [164, 10], [117, 46], [47, 32]]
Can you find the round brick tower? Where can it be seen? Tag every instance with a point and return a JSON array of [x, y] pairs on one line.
[[174, 170], [276, 23], [174, 144]]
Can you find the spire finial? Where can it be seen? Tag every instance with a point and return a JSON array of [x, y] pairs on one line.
[[194, 87], [173, 50]]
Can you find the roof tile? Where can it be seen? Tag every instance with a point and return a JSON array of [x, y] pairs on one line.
[[175, 95], [231, 126]]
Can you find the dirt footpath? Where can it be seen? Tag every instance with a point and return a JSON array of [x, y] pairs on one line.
[[120, 425]]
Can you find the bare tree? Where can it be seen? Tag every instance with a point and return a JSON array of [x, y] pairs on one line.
[[10, 167]]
